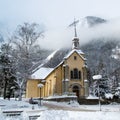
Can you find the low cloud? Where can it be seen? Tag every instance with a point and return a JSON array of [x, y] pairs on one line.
[[58, 38], [108, 30]]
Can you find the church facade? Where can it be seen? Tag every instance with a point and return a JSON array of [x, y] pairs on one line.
[[69, 77]]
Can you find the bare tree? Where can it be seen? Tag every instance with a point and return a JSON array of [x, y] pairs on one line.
[[25, 39]]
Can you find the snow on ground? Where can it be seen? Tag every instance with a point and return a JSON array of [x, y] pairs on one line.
[[71, 115], [109, 112], [113, 107], [7, 105]]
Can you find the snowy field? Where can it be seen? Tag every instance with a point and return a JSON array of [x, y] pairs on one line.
[[75, 115], [59, 111]]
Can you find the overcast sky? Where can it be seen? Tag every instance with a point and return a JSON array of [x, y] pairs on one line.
[[55, 15]]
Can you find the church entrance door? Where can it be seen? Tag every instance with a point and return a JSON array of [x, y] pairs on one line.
[[76, 90]]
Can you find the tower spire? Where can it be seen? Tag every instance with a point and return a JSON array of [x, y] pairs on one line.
[[74, 24], [75, 44]]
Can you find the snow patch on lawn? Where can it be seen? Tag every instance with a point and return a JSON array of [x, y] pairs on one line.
[[71, 115]]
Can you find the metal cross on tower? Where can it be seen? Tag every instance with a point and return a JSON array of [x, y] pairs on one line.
[[74, 24]]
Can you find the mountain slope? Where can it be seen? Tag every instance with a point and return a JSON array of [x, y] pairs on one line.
[[57, 58], [91, 21]]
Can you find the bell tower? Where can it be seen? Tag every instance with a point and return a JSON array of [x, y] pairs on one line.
[[75, 43]]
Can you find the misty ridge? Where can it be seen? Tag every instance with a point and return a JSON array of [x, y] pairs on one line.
[[88, 28]]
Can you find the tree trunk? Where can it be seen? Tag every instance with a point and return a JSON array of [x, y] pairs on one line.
[[5, 88], [20, 94]]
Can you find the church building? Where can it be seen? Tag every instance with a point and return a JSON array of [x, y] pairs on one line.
[[67, 76]]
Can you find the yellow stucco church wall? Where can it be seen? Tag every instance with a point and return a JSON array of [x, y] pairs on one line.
[[49, 85], [76, 63], [32, 89], [53, 84], [59, 79]]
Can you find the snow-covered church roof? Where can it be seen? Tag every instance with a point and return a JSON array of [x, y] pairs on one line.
[[41, 73], [77, 51]]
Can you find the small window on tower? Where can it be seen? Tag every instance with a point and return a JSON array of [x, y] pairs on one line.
[[75, 57]]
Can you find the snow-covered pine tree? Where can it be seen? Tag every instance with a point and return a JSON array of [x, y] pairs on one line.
[[7, 70], [103, 83]]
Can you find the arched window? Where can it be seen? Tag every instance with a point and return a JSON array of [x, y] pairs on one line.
[[75, 74]]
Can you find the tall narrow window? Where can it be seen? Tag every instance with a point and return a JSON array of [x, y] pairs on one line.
[[71, 74], [75, 73], [79, 74], [75, 57]]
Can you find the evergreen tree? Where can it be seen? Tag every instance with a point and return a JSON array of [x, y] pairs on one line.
[[7, 70], [103, 83]]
